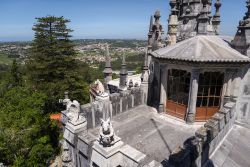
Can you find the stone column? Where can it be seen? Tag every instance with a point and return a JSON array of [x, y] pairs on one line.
[[193, 91], [163, 88]]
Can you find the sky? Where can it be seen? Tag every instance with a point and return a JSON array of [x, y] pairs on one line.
[[92, 19]]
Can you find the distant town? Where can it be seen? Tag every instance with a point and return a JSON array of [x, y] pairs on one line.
[[89, 51]]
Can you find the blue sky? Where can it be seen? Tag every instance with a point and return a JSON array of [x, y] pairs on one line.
[[99, 18]]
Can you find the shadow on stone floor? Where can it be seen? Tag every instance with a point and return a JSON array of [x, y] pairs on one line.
[[161, 135], [189, 156]]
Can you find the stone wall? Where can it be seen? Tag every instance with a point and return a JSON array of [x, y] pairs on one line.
[[197, 149], [243, 101], [116, 104]]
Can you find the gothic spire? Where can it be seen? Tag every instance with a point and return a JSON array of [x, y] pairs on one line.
[[248, 10], [216, 18], [173, 5], [107, 63], [123, 74], [151, 24], [241, 40], [157, 31], [107, 70]]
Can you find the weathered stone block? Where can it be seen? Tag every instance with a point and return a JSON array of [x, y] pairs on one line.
[[226, 115], [213, 128], [230, 106], [87, 110], [98, 116], [83, 147], [137, 96], [221, 119], [90, 118], [202, 134], [115, 102], [130, 101]]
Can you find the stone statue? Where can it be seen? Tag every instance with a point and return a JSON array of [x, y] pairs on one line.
[[74, 112], [99, 87], [106, 133]]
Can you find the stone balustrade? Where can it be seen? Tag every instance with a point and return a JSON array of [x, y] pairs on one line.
[[117, 103], [206, 139]]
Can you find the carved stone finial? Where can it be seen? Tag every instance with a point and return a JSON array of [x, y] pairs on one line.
[[123, 73], [151, 24], [216, 18], [107, 133], [157, 32], [157, 15], [107, 70]]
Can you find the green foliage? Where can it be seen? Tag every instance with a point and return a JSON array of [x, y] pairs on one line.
[[4, 60], [25, 131], [16, 76], [53, 68]]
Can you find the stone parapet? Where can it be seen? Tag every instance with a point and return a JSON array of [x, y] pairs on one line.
[[114, 105], [206, 139]]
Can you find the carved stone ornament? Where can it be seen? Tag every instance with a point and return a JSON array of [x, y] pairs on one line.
[[106, 133]]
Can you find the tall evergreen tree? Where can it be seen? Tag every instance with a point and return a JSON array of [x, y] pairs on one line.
[[52, 64], [16, 77]]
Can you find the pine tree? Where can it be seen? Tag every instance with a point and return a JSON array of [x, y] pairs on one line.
[[52, 65], [16, 76]]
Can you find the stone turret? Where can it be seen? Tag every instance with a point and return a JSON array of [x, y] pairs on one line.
[[241, 40], [216, 18], [107, 70], [123, 74], [191, 15], [172, 23], [204, 19], [157, 32]]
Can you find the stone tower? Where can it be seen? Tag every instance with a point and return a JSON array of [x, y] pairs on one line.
[[194, 16], [107, 70], [216, 18], [123, 74], [241, 40]]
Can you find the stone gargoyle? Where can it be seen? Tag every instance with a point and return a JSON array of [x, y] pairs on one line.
[[106, 133]]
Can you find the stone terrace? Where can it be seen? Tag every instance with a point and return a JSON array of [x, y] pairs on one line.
[[234, 151], [149, 132]]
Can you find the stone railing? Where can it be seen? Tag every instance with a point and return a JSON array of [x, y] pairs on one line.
[[104, 108], [197, 149]]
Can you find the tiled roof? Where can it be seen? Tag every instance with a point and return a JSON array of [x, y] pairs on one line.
[[201, 49]]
